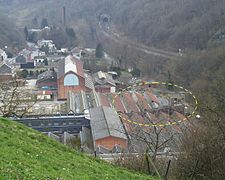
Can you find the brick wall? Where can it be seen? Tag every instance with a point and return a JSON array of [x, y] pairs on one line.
[[63, 90], [110, 142]]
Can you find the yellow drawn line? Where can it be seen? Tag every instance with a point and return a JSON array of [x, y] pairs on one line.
[[156, 83]]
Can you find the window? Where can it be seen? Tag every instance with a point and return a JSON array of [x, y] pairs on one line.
[[71, 80]]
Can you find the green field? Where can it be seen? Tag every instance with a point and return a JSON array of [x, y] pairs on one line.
[[27, 154]]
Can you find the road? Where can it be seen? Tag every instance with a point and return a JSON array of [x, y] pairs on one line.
[[108, 32]]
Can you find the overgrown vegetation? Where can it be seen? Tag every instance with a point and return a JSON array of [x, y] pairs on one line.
[[10, 35], [203, 147], [174, 24]]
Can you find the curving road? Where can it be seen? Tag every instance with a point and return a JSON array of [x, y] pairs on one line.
[[107, 31]]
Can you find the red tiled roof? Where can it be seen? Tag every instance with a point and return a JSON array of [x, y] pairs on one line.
[[104, 100], [142, 101], [153, 97], [128, 125], [138, 118], [130, 103], [79, 65], [118, 103]]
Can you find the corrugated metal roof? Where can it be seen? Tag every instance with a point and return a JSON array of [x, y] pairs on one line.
[[104, 100], [102, 78], [89, 82], [105, 122], [153, 97], [118, 103], [130, 103], [47, 75], [142, 101]]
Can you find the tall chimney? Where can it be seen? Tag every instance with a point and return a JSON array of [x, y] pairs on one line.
[[64, 16]]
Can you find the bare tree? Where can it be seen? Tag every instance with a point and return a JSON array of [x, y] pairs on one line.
[[14, 100]]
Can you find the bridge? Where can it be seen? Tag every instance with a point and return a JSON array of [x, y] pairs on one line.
[[56, 124]]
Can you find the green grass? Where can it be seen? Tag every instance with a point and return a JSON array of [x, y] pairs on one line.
[[28, 154]]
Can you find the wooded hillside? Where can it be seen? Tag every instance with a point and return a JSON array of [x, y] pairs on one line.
[[167, 24], [10, 35]]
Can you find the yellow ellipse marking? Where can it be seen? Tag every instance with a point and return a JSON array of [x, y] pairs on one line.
[[156, 83]]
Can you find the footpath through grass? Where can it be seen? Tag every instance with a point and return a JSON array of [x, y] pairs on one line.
[[28, 154]]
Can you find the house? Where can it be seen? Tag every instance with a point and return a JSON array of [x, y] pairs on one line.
[[70, 77], [36, 53], [77, 52], [104, 82], [28, 65], [64, 50], [3, 55], [47, 43], [45, 95], [107, 129], [43, 42], [80, 52], [26, 54], [6, 73], [40, 61], [47, 80], [20, 59]]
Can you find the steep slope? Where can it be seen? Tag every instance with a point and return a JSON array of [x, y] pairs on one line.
[[166, 24], [9, 34], [27, 154], [174, 23]]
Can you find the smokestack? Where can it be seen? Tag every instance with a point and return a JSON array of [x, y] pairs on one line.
[[64, 16]]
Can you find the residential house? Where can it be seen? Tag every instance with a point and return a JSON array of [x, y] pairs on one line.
[[27, 54], [45, 95], [37, 53], [40, 61], [20, 59], [3, 55], [43, 42], [47, 80], [28, 65], [47, 43], [6, 73]]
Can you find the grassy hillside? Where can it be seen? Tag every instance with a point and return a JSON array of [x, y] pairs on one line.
[[27, 154]]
